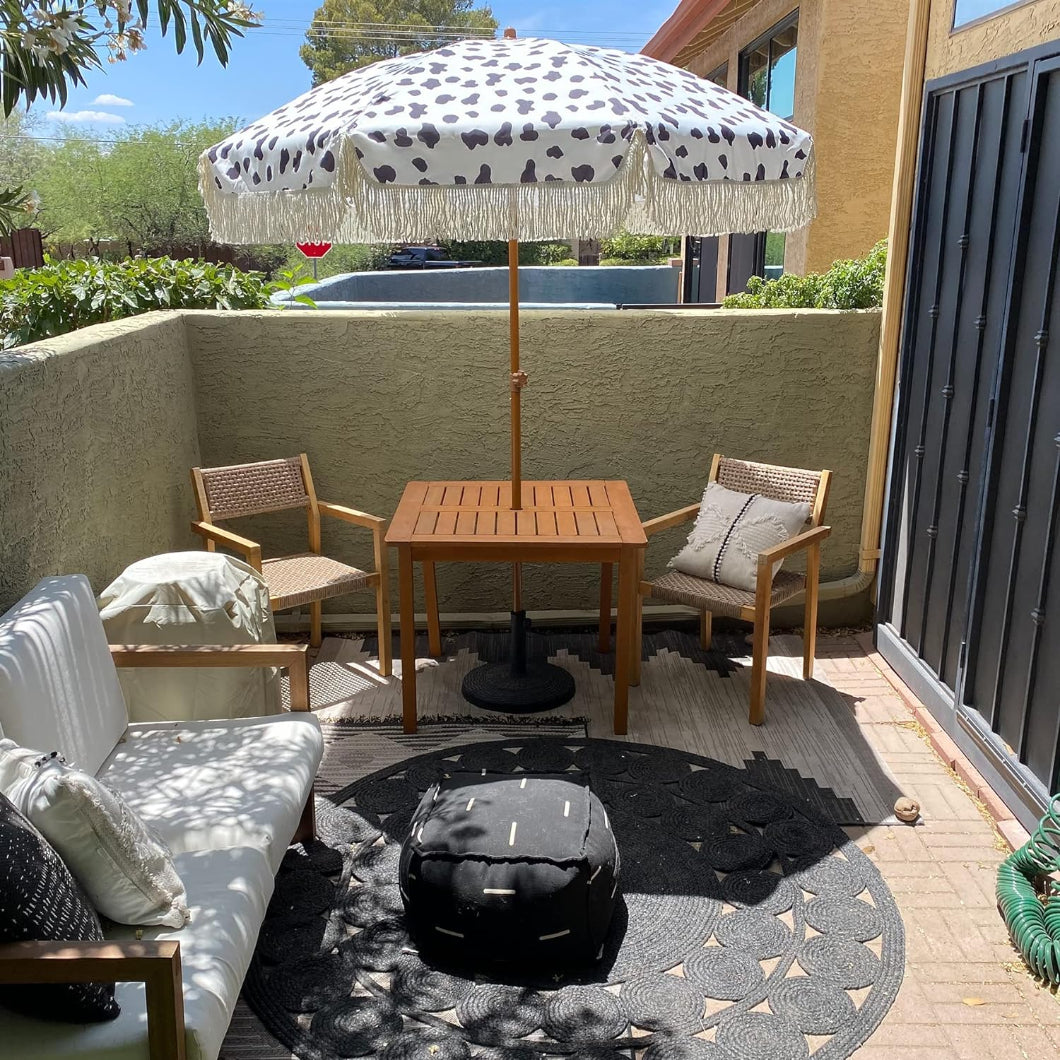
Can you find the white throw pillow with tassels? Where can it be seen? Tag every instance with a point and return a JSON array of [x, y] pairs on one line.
[[126, 871], [731, 530]]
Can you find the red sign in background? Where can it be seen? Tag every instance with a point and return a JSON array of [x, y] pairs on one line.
[[314, 250]]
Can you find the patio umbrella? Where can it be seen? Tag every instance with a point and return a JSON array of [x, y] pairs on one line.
[[511, 139]]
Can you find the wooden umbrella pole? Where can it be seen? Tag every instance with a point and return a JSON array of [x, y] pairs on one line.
[[516, 405], [517, 379]]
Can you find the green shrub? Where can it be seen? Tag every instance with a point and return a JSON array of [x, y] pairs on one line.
[[64, 296], [632, 249], [854, 284], [553, 253], [495, 252], [634, 261]]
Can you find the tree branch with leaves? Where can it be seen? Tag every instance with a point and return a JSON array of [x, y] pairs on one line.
[[47, 46], [16, 208]]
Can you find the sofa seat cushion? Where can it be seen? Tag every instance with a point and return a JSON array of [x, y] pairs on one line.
[[205, 785], [228, 891]]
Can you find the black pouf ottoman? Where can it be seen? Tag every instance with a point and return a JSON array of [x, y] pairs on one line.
[[510, 868]]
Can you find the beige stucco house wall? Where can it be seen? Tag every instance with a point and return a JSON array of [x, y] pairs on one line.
[[847, 94], [1024, 25]]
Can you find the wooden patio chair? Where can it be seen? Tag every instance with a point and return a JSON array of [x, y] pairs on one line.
[[711, 598], [223, 493]]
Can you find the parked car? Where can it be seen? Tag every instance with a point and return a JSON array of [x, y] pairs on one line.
[[426, 258]]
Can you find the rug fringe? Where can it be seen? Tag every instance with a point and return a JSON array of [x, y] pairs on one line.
[[365, 722]]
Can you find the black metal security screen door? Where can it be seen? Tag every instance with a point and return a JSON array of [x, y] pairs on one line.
[[965, 613]]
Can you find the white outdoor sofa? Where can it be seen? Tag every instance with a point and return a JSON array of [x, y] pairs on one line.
[[227, 797]]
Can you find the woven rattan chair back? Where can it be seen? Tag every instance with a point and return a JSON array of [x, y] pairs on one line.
[[237, 490], [790, 484], [251, 489]]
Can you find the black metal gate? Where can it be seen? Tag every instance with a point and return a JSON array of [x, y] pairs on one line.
[[974, 493]]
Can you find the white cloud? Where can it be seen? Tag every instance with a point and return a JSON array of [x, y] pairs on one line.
[[526, 24], [87, 117], [107, 100]]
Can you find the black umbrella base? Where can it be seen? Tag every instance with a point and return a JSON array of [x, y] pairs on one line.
[[518, 686], [541, 686]]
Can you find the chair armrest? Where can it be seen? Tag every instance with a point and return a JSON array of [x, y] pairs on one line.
[[664, 522], [351, 515], [793, 544], [293, 656], [155, 964], [219, 536]]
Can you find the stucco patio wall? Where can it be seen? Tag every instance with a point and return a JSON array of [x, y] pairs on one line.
[[99, 428], [97, 432], [379, 398]]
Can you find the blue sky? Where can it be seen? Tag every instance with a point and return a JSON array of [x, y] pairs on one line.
[[265, 70]]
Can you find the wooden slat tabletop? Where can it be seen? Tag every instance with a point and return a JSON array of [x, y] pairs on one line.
[[599, 512]]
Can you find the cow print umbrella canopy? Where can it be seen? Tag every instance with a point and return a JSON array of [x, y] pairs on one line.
[[509, 139]]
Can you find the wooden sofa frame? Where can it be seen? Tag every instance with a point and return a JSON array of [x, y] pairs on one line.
[[155, 964]]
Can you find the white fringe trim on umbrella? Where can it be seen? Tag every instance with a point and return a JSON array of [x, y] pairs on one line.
[[357, 209]]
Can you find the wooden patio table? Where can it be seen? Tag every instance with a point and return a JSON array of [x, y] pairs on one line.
[[575, 521]]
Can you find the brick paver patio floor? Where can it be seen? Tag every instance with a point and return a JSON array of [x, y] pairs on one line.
[[966, 994]]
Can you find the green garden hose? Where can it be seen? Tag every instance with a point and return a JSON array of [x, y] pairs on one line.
[[1030, 901]]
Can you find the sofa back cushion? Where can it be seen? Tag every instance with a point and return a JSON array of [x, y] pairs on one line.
[[59, 689]]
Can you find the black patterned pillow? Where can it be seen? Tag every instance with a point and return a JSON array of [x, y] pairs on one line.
[[39, 899]]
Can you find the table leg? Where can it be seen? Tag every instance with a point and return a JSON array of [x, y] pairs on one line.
[[636, 649], [408, 639], [606, 577], [627, 606], [430, 591]]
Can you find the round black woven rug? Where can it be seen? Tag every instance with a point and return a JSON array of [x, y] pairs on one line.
[[750, 928]]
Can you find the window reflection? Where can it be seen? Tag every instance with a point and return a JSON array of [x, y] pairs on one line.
[[782, 54], [774, 263], [767, 79], [757, 74], [965, 11], [769, 71]]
